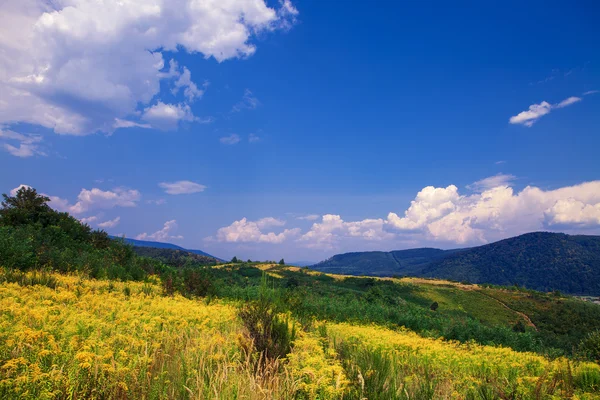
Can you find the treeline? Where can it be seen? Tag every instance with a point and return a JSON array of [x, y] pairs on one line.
[[33, 236]]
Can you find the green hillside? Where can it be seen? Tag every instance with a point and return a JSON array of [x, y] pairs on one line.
[[542, 261]]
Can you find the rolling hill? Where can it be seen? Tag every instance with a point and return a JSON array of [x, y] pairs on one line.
[[541, 260], [161, 245]]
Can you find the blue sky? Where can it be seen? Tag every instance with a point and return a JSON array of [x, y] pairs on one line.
[[301, 126]]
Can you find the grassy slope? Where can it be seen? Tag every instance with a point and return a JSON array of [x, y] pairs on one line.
[[89, 338]]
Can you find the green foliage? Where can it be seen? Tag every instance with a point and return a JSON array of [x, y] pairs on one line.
[[282, 262], [272, 334], [174, 257], [589, 348], [434, 306]]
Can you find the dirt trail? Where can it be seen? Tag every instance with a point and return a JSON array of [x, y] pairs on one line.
[[525, 316]]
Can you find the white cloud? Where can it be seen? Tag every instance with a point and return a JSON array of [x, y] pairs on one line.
[[110, 223], [252, 138], [568, 102], [591, 92], [250, 231], [76, 66], [190, 90], [163, 234], [231, 139], [182, 187], [96, 199], [167, 116], [501, 212], [566, 212], [492, 182], [529, 117], [28, 145], [248, 102], [309, 217], [430, 204], [122, 123], [536, 111], [332, 229], [89, 220]]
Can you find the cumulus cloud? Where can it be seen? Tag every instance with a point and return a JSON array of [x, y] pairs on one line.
[[26, 145], [430, 204], [94, 199], [167, 116], [332, 229], [231, 139], [161, 235], [182, 187], [536, 111], [110, 223], [244, 231], [77, 66], [248, 102], [500, 212]]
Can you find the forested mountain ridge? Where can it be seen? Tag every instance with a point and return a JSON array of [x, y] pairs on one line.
[[540, 260]]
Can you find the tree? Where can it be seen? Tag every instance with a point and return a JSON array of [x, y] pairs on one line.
[[25, 207], [281, 262], [519, 327], [234, 260], [434, 306]]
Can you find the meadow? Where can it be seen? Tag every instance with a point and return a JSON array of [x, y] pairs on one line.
[[71, 337]]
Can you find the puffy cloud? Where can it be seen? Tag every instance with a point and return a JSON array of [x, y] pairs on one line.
[[250, 231], [167, 116], [28, 145], [568, 212], [77, 66], [332, 229], [529, 117], [248, 102], [110, 223], [430, 204], [231, 139], [536, 111], [94, 199], [99, 199], [163, 234], [182, 187], [501, 212]]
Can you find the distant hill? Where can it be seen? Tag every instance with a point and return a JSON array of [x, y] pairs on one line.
[[161, 245], [540, 260]]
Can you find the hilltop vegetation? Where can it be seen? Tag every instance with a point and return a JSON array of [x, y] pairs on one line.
[[84, 316], [541, 261]]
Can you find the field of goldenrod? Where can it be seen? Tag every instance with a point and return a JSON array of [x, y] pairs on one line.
[[124, 340]]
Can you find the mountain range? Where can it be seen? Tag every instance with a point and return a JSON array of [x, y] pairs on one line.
[[540, 260], [161, 245]]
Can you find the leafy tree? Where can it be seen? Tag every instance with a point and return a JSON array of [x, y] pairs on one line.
[[234, 260], [281, 262]]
